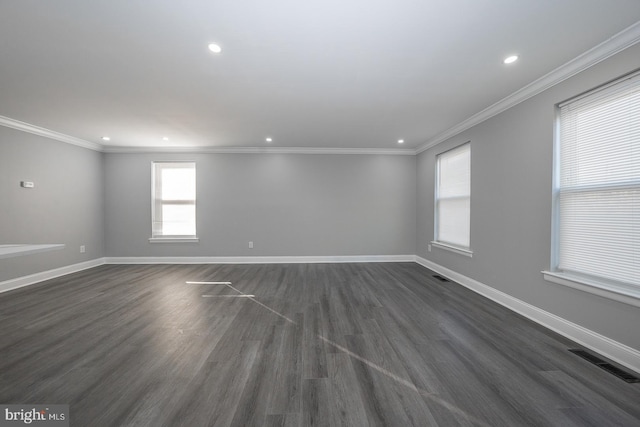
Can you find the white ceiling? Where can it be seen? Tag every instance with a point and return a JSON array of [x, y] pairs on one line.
[[350, 74]]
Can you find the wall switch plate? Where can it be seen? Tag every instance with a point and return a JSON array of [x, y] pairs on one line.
[[250, 245], [82, 249], [27, 184], [429, 247]]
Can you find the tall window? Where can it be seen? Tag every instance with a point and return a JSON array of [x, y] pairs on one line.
[[453, 199], [174, 200], [597, 188]]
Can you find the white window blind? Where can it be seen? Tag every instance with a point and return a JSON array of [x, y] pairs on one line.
[[174, 199], [597, 186], [453, 197]]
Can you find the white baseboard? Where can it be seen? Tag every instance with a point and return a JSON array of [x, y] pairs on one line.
[[607, 347], [31, 279], [260, 259]]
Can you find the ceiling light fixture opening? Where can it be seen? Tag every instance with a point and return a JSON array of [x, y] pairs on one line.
[[401, 141], [215, 48], [268, 139], [165, 138], [106, 138], [510, 59]]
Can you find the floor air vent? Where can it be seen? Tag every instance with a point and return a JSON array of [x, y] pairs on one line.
[[441, 278], [620, 373]]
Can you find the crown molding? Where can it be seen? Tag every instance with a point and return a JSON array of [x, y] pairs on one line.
[[258, 150], [47, 133], [617, 43]]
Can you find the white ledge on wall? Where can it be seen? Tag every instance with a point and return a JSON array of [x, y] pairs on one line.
[[8, 251], [465, 252], [174, 239], [628, 295]]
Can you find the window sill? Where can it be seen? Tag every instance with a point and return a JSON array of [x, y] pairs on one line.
[[193, 239], [460, 251], [620, 293]]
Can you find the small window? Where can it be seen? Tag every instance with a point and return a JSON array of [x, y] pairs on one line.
[[453, 199], [174, 200], [596, 222]]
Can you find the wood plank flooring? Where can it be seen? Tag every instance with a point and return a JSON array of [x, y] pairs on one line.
[[318, 345]]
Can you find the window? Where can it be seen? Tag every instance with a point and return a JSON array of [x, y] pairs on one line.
[[453, 200], [596, 225], [174, 201]]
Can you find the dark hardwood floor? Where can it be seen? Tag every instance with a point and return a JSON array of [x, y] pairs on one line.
[[319, 344]]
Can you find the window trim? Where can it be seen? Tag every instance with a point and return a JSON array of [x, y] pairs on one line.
[[193, 239], [610, 289], [618, 293], [451, 248], [462, 250], [155, 204]]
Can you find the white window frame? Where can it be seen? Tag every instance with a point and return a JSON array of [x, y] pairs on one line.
[[437, 242], [628, 293], [157, 203]]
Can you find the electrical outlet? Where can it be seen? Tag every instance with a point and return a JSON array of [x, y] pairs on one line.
[[250, 245], [429, 247], [82, 249]]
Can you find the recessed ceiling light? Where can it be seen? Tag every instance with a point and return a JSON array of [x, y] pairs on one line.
[[401, 141], [165, 138], [106, 138], [268, 139], [215, 48], [510, 59]]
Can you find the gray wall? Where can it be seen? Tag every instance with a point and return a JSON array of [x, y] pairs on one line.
[[287, 204], [511, 170], [66, 205]]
